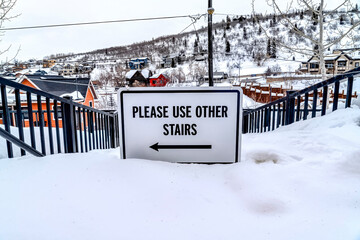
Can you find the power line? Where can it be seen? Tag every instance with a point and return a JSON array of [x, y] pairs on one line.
[[194, 19], [92, 23]]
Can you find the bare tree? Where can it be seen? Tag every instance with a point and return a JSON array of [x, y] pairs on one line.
[[319, 35], [177, 75], [5, 7], [112, 78], [119, 76]]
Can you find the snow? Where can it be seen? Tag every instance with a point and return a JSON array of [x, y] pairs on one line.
[[130, 74], [298, 182], [75, 95], [155, 75], [145, 73]]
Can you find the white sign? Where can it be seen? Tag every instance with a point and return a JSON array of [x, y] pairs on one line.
[[189, 125]]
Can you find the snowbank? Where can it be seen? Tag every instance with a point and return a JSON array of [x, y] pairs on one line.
[[298, 182]]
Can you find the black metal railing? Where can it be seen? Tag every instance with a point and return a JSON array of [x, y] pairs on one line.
[[41, 123], [300, 105]]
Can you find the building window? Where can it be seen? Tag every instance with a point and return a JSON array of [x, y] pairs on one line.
[[314, 65], [342, 64], [329, 65], [357, 64]]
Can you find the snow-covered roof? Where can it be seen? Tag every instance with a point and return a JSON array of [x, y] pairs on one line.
[[156, 75], [130, 74], [145, 73], [331, 57]]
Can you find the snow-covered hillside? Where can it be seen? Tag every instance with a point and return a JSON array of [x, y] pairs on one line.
[[298, 182], [239, 44]]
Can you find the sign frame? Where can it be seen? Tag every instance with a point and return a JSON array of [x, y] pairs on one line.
[[197, 90]]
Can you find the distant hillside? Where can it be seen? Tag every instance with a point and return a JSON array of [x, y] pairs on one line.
[[235, 39]]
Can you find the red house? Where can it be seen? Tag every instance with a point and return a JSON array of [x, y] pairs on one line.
[[158, 80]]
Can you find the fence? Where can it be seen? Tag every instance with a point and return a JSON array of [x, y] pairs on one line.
[[71, 127], [297, 105]]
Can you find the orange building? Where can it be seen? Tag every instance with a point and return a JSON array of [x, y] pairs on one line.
[[80, 89]]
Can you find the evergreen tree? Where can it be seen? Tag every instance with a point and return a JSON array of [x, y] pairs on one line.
[[342, 21], [228, 21], [244, 34], [268, 47], [273, 49], [196, 45], [316, 49], [315, 18], [185, 43], [301, 15], [259, 31], [227, 43]]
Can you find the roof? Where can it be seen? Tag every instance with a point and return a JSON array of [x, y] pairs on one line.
[[314, 61], [130, 74], [59, 85], [139, 59], [158, 75], [331, 57], [146, 73]]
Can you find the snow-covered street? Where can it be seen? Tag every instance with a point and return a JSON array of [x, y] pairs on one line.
[[299, 182]]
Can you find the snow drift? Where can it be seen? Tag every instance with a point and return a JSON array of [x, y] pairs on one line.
[[299, 182]]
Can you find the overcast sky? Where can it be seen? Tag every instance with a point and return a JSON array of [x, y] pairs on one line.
[[37, 43]]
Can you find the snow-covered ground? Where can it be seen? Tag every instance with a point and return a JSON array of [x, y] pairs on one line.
[[299, 182]]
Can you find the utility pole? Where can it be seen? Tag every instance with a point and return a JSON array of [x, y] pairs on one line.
[[210, 43]]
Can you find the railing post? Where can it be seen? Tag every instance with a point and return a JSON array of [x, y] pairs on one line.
[[245, 122], [112, 131], [349, 91], [68, 118], [6, 119], [290, 108], [324, 100], [336, 95]]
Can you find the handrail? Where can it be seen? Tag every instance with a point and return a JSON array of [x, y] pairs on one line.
[[19, 143], [353, 72], [45, 94], [288, 109], [83, 128]]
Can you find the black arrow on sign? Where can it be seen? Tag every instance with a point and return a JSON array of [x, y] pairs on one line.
[[156, 146]]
